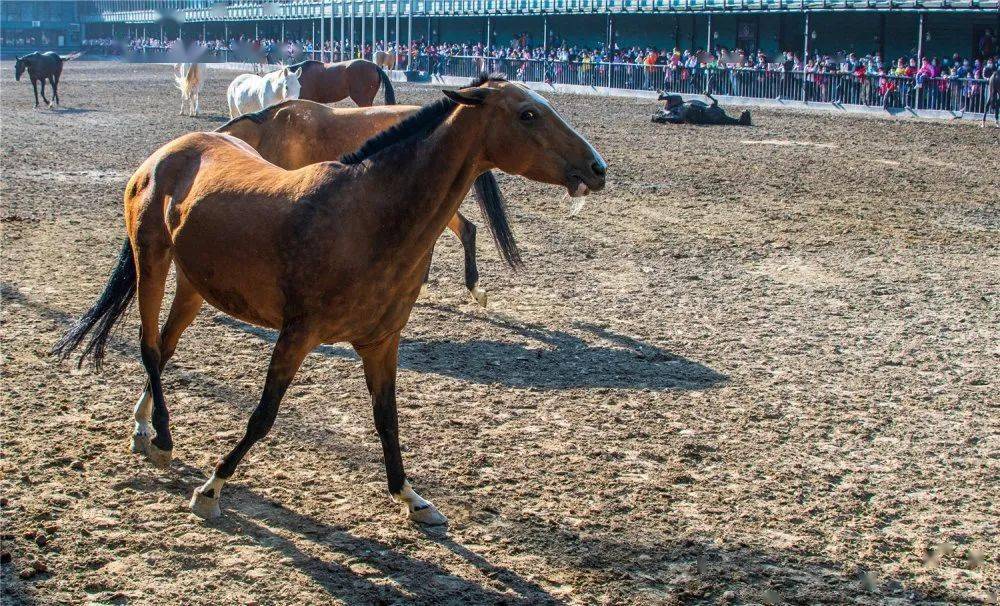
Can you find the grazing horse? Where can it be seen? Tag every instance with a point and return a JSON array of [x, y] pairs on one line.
[[358, 79], [293, 134], [250, 92], [42, 67], [188, 79], [330, 252], [993, 97]]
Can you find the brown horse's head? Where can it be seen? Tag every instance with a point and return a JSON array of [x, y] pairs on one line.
[[19, 66], [527, 137]]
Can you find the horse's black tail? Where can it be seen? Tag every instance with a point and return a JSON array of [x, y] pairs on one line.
[[102, 317], [387, 90], [494, 208]]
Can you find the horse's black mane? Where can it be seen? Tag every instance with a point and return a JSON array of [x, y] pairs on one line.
[[419, 125], [257, 117]]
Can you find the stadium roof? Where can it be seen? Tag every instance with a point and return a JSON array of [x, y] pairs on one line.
[[202, 11]]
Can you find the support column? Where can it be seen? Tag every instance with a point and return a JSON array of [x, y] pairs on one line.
[[351, 55], [343, 31], [409, 35], [545, 35], [805, 55], [920, 40], [708, 45], [920, 56], [396, 56], [364, 15], [489, 22], [385, 25]]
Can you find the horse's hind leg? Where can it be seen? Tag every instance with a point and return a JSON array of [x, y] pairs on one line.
[[466, 232], [196, 104], [47, 102], [34, 86], [55, 89], [183, 311], [153, 263], [294, 343]]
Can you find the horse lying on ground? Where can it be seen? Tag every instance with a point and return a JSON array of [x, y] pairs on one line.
[[250, 93], [331, 252], [679, 111], [358, 79], [993, 96], [188, 79], [42, 67], [293, 134]]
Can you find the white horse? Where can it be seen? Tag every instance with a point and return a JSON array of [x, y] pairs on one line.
[[187, 77], [250, 93]]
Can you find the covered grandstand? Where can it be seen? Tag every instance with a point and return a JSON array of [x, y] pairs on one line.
[[893, 28]]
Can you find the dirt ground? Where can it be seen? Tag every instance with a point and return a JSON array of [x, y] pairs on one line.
[[760, 367]]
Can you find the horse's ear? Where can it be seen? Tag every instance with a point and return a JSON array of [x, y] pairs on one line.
[[298, 73], [469, 96]]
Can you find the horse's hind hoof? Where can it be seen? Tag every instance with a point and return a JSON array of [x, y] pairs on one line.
[[205, 507], [428, 515], [479, 295], [140, 443], [159, 458]]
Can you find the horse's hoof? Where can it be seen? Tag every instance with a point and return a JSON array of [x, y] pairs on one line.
[[140, 443], [424, 291], [479, 295], [159, 458], [429, 515], [205, 507]]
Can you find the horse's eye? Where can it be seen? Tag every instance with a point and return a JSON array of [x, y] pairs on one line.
[[528, 115]]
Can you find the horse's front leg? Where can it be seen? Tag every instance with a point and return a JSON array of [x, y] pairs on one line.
[[55, 89], [380, 362], [294, 343], [34, 87], [196, 104]]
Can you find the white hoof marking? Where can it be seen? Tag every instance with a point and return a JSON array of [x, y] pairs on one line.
[[159, 458], [205, 500], [424, 292], [478, 294], [419, 509]]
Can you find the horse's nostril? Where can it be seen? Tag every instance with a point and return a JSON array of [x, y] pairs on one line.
[[599, 169]]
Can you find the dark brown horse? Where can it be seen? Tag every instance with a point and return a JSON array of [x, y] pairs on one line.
[[42, 67], [296, 133], [330, 252], [358, 79]]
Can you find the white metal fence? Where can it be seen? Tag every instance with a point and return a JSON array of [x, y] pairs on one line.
[[892, 92]]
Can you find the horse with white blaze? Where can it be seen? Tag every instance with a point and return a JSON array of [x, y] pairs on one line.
[[249, 93]]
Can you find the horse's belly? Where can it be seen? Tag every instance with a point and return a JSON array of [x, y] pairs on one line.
[[232, 265]]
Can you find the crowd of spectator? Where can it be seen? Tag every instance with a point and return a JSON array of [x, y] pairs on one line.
[[830, 77]]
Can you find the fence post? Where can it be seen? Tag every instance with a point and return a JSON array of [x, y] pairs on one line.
[[920, 57]]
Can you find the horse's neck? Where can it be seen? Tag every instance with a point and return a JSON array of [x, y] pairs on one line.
[[439, 171]]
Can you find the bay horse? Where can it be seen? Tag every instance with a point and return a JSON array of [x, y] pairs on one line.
[[188, 79], [358, 79], [250, 92], [42, 67], [296, 133], [331, 252]]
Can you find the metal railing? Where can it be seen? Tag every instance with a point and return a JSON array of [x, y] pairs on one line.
[[890, 92]]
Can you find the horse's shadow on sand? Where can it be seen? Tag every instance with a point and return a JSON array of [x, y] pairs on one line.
[[535, 356], [250, 515]]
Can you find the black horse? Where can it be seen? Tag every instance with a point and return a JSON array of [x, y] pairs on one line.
[[42, 67]]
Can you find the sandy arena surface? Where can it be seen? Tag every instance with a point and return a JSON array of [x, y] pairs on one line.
[[760, 367]]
